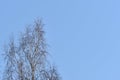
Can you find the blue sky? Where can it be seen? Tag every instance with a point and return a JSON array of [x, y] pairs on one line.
[[84, 35]]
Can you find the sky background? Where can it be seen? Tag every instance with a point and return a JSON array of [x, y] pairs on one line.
[[84, 35]]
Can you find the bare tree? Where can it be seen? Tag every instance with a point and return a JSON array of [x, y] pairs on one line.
[[10, 60], [51, 74], [27, 59]]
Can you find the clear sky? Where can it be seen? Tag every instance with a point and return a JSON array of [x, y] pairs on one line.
[[84, 35]]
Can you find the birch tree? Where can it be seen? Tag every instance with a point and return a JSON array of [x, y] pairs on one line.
[[26, 60]]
